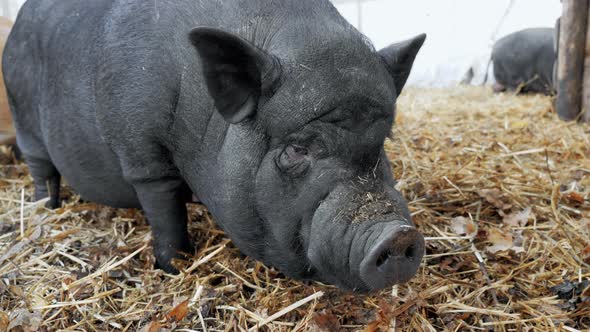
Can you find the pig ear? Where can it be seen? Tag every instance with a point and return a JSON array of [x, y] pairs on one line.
[[399, 58], [237, 73]]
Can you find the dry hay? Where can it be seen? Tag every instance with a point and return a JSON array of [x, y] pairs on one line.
[[496, 183]]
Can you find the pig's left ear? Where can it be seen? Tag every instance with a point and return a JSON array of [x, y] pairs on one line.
[[399, 58], [237, 73]]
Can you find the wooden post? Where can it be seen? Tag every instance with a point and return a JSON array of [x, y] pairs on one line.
[[556, 50], [7, 131], [586, 80], [570, 64]]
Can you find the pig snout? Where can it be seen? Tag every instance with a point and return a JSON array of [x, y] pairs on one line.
[[394, 256], [364, 244]]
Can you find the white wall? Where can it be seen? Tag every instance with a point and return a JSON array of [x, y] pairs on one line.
[[459, 31]]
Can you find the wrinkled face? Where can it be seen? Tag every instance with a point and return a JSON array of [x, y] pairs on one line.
[[323, 190]]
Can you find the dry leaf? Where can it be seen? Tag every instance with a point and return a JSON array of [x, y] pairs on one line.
[[383, 318], [586, 255], [16, 290], [179, 312], [494, 197], [518, 219], [499, 240], [4, 321], [464, 226], [36, 233], [325, 322], [372, 327], [574, 197], [571, 290], [154, 326], [502, 241], [19, 247], [25, 320]]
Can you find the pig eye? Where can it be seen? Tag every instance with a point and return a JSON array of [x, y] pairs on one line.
[[298, 150], [294, 159]]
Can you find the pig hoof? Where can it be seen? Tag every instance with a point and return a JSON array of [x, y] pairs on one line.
[[166, 267], [52, 205], [499, 88], [165, 254]]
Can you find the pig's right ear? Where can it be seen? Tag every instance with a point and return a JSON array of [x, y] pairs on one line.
[[399, 59], [237, 72]]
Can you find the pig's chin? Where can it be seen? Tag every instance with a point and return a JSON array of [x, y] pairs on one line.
[[285, 249]]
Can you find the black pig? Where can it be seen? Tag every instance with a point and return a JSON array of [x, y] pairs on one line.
[[525, 60], [273, 113]]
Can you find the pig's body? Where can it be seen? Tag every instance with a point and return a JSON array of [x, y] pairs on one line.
[[525, 59], [7, 131], [113, 96]]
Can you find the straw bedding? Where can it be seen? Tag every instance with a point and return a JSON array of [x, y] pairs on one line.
[[496, 183]]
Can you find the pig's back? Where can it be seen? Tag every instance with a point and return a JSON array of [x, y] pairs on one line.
[[521, 56], [94, 85], [49, 68]]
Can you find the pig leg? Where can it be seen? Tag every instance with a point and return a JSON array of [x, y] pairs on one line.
[[46, 179], [164, 204]]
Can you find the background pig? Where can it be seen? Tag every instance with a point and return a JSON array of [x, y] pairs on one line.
[[526, 58], [273, 113], [7, 131]]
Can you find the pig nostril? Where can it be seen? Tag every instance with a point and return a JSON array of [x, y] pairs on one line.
[[383, 258], [410, 252]]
